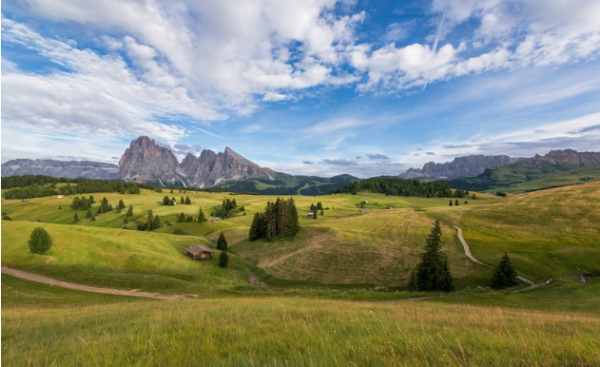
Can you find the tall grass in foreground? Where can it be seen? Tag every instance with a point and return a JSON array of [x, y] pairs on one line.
[[297, 332]]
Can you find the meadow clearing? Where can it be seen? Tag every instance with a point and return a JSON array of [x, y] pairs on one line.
[[331, 296]]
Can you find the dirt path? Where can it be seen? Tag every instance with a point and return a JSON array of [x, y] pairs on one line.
[[459, 233], [87, 288]]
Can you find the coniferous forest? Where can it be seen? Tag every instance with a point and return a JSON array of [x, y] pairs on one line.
[[399, 187], [280, 219]]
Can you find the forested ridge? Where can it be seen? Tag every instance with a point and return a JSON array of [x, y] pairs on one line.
[[398, 187]]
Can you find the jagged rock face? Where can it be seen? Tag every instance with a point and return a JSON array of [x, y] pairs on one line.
[[566, 157], [469, 166], [67, 169], [214, 169], [145, 161]]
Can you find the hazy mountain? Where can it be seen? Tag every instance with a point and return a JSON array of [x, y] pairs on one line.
[[67, 169], [469, 166]]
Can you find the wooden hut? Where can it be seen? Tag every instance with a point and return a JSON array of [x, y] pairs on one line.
[[310, 215], [198, 252]]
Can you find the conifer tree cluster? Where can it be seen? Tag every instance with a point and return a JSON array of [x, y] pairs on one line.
[[167, 201], [505, 274], [105, 207], [279, 219], [81, 203], [152, 222], [398, 186], [433, 273], [182, 218]]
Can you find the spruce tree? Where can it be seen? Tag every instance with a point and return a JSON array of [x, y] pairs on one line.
[[222, 242], [223, 259], [40, 241], [75, 218], [149, 220], [322, 213], [201, 217], [91, 200], [89, 214], [456, 202], [182, 200], [156, 222], [188, 201], [171, 191], [255, 232], [121, 204], [450, 203], [166, 201], [93, 219], [315, 215], [433, 273], [505, 274], [130, 211]]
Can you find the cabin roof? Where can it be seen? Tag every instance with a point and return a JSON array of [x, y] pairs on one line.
[[196, 249]]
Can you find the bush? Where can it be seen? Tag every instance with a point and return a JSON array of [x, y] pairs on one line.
[[223, 259], [40, 241]]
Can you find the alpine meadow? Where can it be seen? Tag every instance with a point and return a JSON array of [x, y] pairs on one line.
[[291, 183]]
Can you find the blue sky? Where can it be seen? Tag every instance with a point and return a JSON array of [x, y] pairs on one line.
[[318, 87]]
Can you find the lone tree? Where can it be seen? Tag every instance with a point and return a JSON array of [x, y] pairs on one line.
[[121, 204], [433, 273], [456, 202], [130, 211], [201, 217], [40, 241], [223, 259], [187, 200], [88, 214], [222, 242], [505, 274], [76, 218], [450, 203]]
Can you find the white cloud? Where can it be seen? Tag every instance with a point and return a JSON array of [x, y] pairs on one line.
[[274, 97]]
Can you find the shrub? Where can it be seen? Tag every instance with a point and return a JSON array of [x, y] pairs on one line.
[[40, 241]]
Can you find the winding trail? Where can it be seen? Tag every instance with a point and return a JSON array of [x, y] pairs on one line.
[[87, 288], [459, 233]]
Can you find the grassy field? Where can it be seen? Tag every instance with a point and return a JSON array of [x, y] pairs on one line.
[[296, 332], [548, 234], [554, 179], [334, 291]]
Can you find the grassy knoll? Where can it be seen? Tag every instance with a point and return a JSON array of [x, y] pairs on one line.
[[297, 332], [119, 259], [547, 234]]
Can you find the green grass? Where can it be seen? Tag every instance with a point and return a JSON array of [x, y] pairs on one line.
[[297, 332], [120, 259], [554, 179], [547, 234]]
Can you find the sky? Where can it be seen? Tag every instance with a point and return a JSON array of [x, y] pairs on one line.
[[316, 87]]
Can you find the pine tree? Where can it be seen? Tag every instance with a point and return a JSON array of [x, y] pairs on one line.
[[182, 200], [59, 207], [222, 242], [315, 215], [234, 203], [121, 204], [40, 241], [255, 232], [91, 200], [450, 203], [110, 208], [201, 217], [130, 211], [188, 201], [505, 274], [171, 191], [89, 214], [76, 203], [149, 220], [322, 213], [456, 202], [433, 273], [319, 206], [156, 222], [166, 201], [75, 218], [223, 259], [93, 219]]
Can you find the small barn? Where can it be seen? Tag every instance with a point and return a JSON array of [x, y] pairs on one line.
[[198, 252], [310, 215]]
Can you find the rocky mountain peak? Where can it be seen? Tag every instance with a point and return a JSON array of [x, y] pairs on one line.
[[146, 161], [469, 166]]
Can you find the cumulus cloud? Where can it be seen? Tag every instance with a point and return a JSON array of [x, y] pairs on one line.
[[377, 156]]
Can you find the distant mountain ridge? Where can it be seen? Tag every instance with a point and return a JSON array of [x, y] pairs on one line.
[[67, 169], [469, 166], [146, 161]]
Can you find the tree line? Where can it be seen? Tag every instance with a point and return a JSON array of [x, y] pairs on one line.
[[398, 187], [30, 186]]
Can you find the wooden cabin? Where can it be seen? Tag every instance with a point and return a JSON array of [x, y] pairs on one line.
[[198, 252], [310, 215]]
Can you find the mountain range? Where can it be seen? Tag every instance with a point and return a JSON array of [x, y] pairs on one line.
[[145, 161]]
